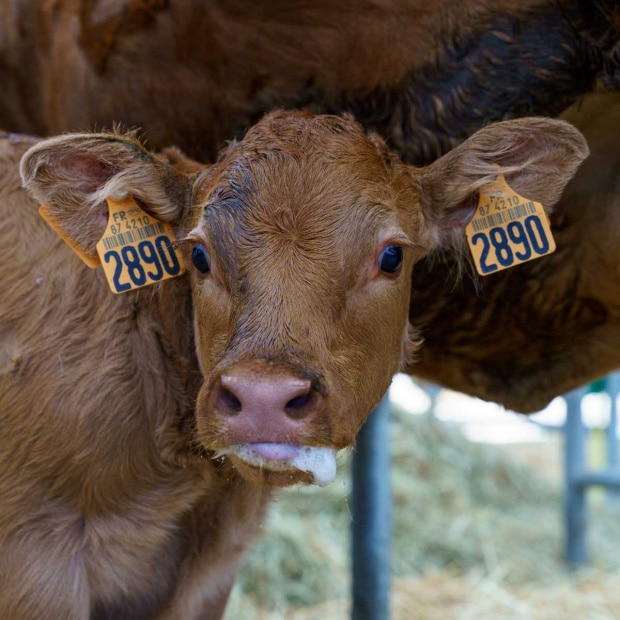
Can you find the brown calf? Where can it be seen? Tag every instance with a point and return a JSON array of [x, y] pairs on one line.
[[137, 428]]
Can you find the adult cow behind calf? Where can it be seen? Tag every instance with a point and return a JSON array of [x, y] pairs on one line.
[[425, 75], [141, 432]]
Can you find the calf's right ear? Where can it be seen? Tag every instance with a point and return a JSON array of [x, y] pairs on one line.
[[72, 176], [537, 156]]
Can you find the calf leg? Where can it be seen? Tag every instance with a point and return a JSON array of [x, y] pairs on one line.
[[217, 536]]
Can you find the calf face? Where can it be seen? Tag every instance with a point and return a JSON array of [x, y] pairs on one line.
[[302, 238]]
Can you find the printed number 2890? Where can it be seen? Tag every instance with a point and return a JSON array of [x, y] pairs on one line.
[[517, 241], [150, 259]]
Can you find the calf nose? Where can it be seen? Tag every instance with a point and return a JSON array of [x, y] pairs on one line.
[[265, 406], [249, 393]]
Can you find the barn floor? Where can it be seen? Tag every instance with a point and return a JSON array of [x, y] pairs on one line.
[[443, 596]]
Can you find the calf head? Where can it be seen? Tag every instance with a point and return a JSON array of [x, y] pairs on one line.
[[302, 237]]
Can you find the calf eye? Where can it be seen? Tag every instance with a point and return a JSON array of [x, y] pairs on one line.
[[391, 259], [201, 258]]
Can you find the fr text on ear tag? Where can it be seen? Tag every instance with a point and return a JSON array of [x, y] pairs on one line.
[[136, 249], [507, 229]]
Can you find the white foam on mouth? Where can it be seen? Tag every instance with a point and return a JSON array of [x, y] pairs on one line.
[[320, 462]]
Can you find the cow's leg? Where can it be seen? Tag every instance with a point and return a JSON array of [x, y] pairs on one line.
[[217, 535], [203, 591]]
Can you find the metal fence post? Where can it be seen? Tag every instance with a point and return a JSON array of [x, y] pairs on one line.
[[372, 514], [612, 387], [575, 492]]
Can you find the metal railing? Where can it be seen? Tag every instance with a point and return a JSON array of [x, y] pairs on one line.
[[372, 498], [578, 477], [371, 508]]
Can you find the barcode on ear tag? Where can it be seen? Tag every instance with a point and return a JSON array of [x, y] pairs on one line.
[[507, 229], [137, 249]]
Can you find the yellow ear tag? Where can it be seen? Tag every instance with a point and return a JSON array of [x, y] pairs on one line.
[[92, 260], [507, 229], [136, 249]]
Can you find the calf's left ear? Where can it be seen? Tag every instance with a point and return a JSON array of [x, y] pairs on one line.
[[537, 156], [73, 174]]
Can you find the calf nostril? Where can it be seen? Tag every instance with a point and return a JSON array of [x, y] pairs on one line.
[[299, 401], [227, 402], [298, 407]]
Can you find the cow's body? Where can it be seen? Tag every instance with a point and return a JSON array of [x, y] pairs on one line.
[[139, 430], [528, 334], [194, 74]]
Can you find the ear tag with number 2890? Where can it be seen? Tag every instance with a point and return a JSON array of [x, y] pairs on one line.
[[507, 229], [136, 249]]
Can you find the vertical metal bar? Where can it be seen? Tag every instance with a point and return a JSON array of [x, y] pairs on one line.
[[432, 391], [612, 387], [575, 494], [372, 517]]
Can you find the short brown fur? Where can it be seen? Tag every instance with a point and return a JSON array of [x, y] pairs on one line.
[[196, 74]]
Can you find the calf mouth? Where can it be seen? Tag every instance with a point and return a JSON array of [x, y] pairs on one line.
[[282, 464]]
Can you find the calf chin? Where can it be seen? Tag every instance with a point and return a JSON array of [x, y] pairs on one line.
[[298, 464], [270, 477]]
